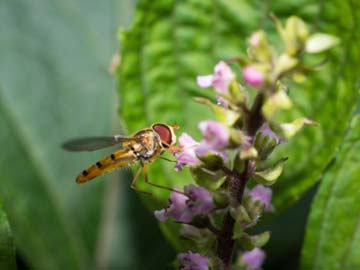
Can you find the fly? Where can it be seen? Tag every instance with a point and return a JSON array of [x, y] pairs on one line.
[[144, 146]]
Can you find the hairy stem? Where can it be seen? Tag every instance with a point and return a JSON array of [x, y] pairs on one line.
[[237, 183], [255, 119]]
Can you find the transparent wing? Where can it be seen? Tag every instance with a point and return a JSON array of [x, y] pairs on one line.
[[95, 143]]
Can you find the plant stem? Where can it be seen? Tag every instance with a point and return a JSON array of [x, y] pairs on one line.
[[237, 183], [255, 119]]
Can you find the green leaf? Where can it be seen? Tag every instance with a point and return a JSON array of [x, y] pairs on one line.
[[333, 232], [171, 42], [7, 249], [54, 85]]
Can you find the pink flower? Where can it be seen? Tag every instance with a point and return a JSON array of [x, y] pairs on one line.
[[220, 80], [253, 259], [175, 208], [215, 134], [200, 200], [252, 76], [183, 208], [187, 156], [192, 261], [262, 194], [216, 137]]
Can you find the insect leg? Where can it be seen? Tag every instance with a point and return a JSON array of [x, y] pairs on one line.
[[133, 182], [167, 159], [143, 164]]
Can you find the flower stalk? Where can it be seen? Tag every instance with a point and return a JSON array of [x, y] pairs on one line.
[[228, 164]]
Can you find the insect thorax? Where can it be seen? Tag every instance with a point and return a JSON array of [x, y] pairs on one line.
[[148, 144]]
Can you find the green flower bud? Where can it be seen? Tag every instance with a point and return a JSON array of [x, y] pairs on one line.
[[223, 115], [254, 207], [209, 179], [284, 64], [240, 214], [294, 35], [269, 176], [237, 92], [277, 101], [321, 42], [202, 238], [248, 153], [260, 49], [288, 130]]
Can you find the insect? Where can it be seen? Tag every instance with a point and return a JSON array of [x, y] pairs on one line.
[[146, 145]]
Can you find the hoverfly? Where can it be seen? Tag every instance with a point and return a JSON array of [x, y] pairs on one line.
[[146, 145]]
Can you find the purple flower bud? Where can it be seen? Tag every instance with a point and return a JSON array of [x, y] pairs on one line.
[[192, 261], [187, 156], [252, 76], [183, 208], [253, 259], [267, 131], [200, 200], [262, 194], [220, 80]]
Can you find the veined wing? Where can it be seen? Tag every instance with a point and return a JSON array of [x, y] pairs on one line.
[[96, 143]]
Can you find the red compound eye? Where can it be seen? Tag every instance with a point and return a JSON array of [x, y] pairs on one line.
[[164, 132]]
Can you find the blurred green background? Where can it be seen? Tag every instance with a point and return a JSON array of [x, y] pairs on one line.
[[55, 85]]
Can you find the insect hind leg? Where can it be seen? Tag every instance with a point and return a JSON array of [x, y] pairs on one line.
[[133, 182], [144, 166]]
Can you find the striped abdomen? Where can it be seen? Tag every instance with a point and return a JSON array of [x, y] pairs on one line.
[[118, 159]]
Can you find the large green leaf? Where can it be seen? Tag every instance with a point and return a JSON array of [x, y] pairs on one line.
[[333, 232], [54, 85], [173, 41], [7, 249]]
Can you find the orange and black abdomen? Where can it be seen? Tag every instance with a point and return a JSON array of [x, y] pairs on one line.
[[118, 159]]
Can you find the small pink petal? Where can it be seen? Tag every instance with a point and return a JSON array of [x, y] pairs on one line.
[[253, 259], [205, 81], [215, 134], [160, 215], [254, 39], [186, 141]]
